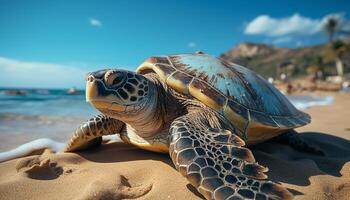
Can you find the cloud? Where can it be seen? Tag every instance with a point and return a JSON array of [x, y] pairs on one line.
[[95, 22], [282, 40], [15, 73], [191, 44], [292, 25], [346, 26], [299, 43]]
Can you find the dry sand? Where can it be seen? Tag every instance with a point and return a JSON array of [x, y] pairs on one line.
[[119, 171]]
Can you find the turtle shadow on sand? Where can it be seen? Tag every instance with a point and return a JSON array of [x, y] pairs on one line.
[[285, 163], [127, 153]]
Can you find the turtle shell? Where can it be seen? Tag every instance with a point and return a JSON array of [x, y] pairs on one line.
[[251, 103]]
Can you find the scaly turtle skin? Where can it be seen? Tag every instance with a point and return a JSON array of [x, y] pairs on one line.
[[202, 111]]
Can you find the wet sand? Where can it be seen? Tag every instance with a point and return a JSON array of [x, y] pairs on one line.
[[119, 171]]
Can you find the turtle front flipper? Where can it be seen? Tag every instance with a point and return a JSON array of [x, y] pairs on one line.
[[90, 133], [214, 161]]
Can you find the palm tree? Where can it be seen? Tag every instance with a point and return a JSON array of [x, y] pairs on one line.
[[335, 51], [331, 26], [336, 48]]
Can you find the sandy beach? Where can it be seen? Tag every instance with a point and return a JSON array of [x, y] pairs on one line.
[[119, 171]]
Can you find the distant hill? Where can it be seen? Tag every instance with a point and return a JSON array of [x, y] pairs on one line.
[[265, 59]]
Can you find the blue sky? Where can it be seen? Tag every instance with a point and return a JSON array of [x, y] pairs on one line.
[[54, 43]]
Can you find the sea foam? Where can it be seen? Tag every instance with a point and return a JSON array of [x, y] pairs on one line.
[[303, 102], [29, 147], [43, 143]]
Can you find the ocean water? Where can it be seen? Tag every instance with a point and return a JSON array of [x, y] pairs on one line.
[[40, 114], [55, 114], [303, 102]]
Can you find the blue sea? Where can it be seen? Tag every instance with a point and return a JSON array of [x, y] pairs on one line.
[[41, 113]]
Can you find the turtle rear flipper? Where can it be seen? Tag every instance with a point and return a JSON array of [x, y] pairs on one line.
[[214, 161], [89, 134], [292, 138]]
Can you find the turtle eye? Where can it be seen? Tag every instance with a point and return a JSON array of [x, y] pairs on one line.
[[114, 78]]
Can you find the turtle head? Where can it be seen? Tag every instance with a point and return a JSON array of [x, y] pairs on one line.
[[118, 93]]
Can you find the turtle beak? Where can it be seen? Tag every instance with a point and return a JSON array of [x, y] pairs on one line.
[[92, 95], [91, 88]]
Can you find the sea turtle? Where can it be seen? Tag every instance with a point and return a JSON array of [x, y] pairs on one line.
[[201, 110]]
